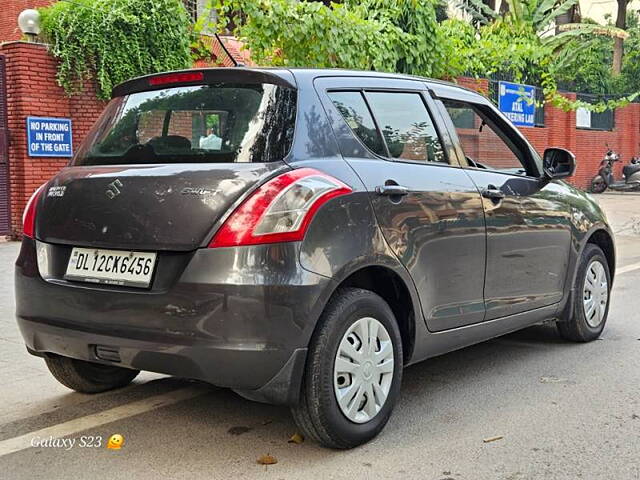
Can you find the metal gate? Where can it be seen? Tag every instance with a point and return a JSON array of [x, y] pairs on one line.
[[5, 208]]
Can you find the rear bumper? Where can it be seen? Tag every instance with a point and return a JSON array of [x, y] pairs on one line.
[[234, 317]]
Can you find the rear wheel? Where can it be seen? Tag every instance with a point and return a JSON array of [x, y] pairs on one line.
[[353, 372], [88, 377], [593, 291], [598, 185]]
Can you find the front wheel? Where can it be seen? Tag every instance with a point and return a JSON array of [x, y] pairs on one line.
[[353, 371], [598, 185], [592, 292]]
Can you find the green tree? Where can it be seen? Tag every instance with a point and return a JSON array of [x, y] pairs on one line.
[[541, 16], [618, 46], [589, 66], [114, 40], [586, 66], [629, 80], [386, 35]]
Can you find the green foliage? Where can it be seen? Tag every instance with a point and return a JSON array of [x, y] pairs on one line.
[[629, 80], [114, 40], [385, 35], [500, 48], [458, 39], [522, 45], [586, 66], [417, 46], [538, 15]]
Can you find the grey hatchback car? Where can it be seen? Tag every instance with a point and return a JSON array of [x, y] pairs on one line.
[[300, 236]]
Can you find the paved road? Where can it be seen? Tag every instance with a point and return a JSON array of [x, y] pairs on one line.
[[564, 411]]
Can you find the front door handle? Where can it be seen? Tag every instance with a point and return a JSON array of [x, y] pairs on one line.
[[493, 193], [392, 190]]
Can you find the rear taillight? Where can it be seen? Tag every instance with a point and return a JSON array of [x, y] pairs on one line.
[[29, 215], [280, 210]]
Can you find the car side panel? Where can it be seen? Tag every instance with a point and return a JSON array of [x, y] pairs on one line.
[[584, 215], [528, 241], [321, 254], [437, 231]]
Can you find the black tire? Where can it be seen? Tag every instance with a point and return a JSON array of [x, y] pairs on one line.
[[598, 185], [576, 328], [318, 414], [88, 377]]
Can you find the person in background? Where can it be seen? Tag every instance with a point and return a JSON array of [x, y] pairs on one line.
[[211, 141]]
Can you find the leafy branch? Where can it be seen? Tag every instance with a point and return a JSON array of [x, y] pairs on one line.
[[384, 35], [111, 41]]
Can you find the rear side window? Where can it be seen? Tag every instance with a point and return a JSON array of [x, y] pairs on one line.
[[406, 126], [356, 113], [196, 124]]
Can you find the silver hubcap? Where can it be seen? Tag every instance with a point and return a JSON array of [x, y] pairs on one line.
[[596, 294], [363, 370]]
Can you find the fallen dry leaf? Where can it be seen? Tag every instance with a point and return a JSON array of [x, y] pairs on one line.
[[296, 438], [267, 460], [554, 379], [238, 430], [493, 439]]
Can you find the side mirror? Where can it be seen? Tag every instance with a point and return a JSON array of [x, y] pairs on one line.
[[558, 163]]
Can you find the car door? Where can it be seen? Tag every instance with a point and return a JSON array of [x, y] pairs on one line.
[[528, 225], [428, 209]]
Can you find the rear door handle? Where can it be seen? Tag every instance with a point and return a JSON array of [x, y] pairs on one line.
[[392, 190], [493, 193]]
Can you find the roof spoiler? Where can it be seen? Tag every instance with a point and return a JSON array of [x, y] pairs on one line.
[[158, 81]]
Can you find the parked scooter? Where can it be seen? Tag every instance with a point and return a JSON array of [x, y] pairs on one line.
[[605, 179]]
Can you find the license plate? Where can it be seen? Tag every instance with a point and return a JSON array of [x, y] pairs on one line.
[[112, 267]]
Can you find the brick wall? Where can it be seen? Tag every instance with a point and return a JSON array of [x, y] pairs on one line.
[[9, 18], [33, 91], [224, 53]]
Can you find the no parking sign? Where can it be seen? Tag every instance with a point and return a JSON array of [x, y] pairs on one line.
[[49, 137]]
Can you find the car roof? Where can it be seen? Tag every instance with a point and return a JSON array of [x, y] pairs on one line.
[[342, 72], [280, 75]]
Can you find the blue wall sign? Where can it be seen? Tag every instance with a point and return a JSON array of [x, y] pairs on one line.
[[49, 137], [512, 101]]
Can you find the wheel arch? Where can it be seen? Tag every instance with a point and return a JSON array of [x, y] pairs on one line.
[[388, 284], [603, 239]]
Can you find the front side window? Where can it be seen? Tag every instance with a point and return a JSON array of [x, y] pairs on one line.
[[406, 125], [484, 144], [213, 123]]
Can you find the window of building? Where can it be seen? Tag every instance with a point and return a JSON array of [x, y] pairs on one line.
[[593, 120]]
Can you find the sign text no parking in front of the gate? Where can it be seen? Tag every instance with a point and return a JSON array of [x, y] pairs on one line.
[[49, 137]]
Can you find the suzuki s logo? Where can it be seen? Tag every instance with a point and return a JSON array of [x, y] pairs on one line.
[[113, 189]]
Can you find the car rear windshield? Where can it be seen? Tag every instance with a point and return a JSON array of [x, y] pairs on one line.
[[194, 124]]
